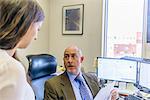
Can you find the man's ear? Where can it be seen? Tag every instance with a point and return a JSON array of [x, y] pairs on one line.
[[82, 58]]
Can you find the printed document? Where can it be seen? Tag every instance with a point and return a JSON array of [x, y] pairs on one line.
[[105, 93]]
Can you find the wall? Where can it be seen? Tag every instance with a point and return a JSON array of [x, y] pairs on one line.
[[89, 42]]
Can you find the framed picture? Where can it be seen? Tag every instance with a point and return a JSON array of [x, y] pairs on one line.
[[72, 19]]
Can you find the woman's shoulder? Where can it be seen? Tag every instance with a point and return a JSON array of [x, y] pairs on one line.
[[10, 69], [8, 63], [13, 77]]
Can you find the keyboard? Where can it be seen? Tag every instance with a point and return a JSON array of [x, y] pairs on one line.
[[132, 97]]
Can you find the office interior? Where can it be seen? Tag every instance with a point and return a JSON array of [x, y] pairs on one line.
[[51, 40]]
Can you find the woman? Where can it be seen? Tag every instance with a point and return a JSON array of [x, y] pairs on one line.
[[20, 21]]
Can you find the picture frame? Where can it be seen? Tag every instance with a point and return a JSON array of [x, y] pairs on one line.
[[72, 19]]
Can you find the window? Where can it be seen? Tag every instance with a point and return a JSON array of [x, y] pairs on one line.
[[123, 28]]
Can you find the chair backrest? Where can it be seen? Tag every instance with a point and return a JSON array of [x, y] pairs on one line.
[[41, 68]]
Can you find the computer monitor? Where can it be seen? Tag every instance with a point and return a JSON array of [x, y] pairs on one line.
[[117, 69], [144, 76]]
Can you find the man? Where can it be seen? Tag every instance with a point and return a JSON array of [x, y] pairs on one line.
[[66, 86]]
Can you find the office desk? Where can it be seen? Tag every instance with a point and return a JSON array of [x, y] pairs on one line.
[[132, 93], [128, 90]]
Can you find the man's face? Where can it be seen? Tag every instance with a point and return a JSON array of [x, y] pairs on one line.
[[72, 60]]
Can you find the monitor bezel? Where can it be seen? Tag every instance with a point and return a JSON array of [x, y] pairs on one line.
[[139, 86], [136, 80]]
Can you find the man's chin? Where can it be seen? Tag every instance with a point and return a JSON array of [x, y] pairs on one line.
[[73, 71]]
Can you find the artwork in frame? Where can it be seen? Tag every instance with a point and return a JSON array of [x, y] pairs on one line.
[[72, 23]]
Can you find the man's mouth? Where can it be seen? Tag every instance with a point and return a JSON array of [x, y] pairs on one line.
[[70, 66]]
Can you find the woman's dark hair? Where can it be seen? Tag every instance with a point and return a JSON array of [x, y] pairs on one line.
[[16, 16]]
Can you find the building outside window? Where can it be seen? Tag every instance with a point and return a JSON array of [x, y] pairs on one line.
[[123, 28]]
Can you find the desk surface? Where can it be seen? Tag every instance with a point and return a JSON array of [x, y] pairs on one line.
[[132, 91], [126, 89]]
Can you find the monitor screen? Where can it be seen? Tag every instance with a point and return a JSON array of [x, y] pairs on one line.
[[117, 69], [144, 76]]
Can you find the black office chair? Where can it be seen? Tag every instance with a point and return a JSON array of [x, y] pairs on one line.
[[41, 68]]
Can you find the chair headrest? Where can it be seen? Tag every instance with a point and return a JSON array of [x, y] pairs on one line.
[[41, 65]]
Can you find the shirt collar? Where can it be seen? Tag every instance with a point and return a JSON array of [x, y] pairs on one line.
[[72, 76]]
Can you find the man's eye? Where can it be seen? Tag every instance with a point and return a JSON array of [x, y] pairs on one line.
[[66, 57], [74, 56]]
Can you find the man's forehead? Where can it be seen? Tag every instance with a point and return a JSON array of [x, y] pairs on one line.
[[71, 52]]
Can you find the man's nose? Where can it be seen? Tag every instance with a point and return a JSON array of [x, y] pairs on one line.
[[70, 59]]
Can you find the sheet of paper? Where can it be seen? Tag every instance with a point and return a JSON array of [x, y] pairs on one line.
[[104, 93]]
